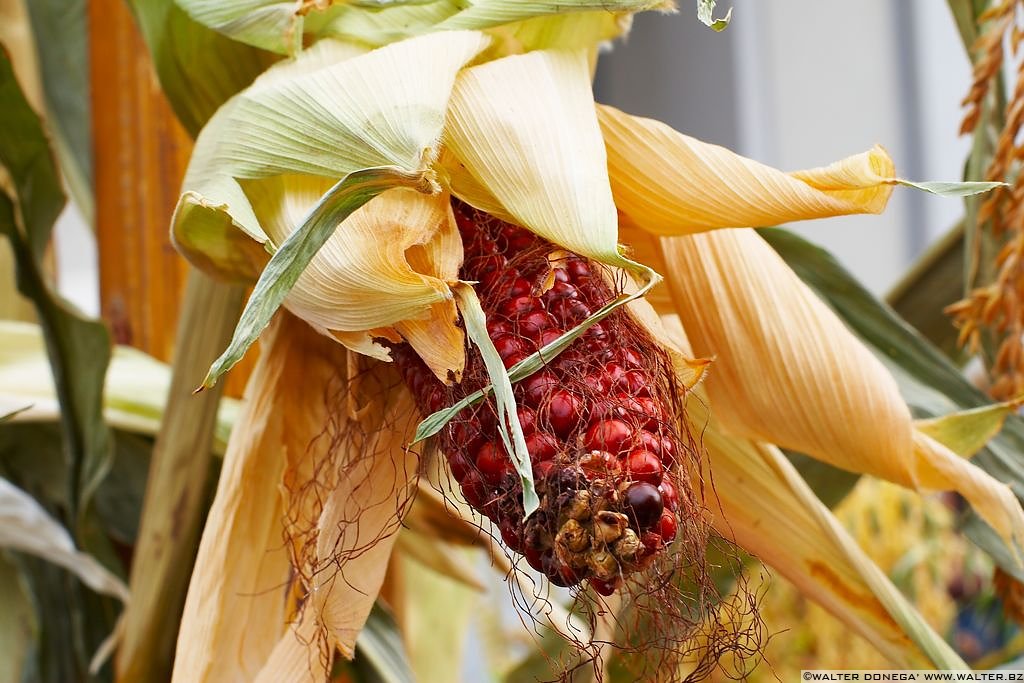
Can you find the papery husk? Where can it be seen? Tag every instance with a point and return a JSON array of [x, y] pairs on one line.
[[527, 148], [788, 372], [668, 183], [387, 265], [758, 500], [345, 497], [238, 599], [333, 91]]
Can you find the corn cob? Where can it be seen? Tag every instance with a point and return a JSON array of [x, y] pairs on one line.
[[597, 419]]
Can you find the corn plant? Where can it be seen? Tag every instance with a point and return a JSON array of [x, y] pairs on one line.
[[495, 319]]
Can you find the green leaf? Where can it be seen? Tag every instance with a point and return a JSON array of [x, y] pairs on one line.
[[288, 262], [966, 432], [380, 654], [11, 414], [952, 189], [25, 153], [61, 38], [928, 381], [933, 282], [19, 631], [79, 348], [705, 13], [198, 68], [482, 14], [509, 428]]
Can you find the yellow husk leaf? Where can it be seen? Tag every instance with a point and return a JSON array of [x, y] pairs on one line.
[[388, 264], [524, 129], [668, 183], [236, 609], [311, 495], [345, 496], [755, 507], [788, 372], [761, 502]]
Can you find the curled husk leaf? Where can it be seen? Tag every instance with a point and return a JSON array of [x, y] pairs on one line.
[[296, 543], [384, 272], [667, 183], [788, 372]]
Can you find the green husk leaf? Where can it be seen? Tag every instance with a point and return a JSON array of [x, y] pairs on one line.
[[509, 428], [198, 68], [483, 14], [952, 189], [269, 24], [288, 262], [61, 39], [966, 432], [79, 348], [928, 381], [380, 654], [705, 13]]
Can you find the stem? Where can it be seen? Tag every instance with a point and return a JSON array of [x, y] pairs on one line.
[[176, 489]]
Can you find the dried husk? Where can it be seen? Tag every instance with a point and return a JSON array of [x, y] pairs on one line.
[[788, 372]]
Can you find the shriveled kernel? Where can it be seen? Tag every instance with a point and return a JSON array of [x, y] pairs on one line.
[[603, 564], [573, 537], [627, 547], [608, 525]]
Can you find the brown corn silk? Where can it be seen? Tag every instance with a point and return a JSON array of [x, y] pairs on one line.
[[611, 455]]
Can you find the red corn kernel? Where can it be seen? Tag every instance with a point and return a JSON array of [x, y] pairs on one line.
[[631, 359], [508, 345], [459, 464], [520, 305], [668, 494], [561, 290], [474, 490], [539, 386], [643, 503], [513, 359], [642, 465], [535, 322], [667, 526], [493, 463], [608, 435], [520, 287], [542, 470], [636, 382], [548, 336], [578, 268], [605, 588], [541, 447], [527, 419], [511, 535], [563, 411], [570, 311], [496, 328]]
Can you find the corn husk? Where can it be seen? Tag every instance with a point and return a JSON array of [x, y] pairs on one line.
[[301, 512], [668, 183], [523, 129], [389, 265], [788, 372]]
